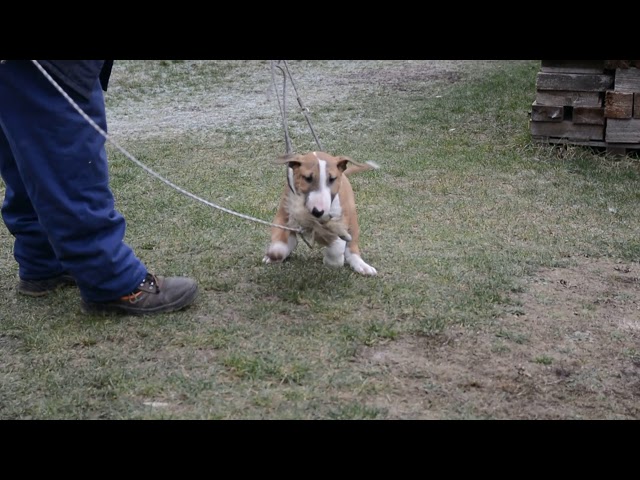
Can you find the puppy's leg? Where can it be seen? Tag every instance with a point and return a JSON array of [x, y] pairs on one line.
[[334, 253], [280, 247], [352, 251], [283, 242], [356, 262]]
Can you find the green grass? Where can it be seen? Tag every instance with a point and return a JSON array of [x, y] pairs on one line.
[[543, 360], [464, 206]]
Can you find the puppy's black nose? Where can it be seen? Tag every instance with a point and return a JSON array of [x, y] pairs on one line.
[[317, 213]]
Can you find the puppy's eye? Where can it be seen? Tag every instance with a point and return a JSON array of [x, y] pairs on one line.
[[309, 179], [331, 180]]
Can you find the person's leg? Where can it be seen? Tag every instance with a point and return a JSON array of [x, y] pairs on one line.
[[36, 259], [62, 162], [40, 271]]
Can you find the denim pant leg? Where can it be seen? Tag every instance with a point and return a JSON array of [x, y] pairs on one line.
[[62, 162], [32, 250]]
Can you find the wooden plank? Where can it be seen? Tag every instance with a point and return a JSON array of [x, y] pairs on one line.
[[567, 129], [636, 105], [622, 149], [627, 147], [614, 64], [578, 82], [564, 141], [623, 130], [546, 113], [569, 99], [615, 150], [627, 80], [618, 104], [588, 115], [572, 66]]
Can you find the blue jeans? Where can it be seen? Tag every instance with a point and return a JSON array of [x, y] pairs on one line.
[[58, 204]]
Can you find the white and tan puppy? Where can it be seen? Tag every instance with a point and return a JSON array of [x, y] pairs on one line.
[[318, 198]]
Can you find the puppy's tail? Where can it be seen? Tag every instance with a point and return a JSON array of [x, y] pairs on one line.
[[355, 167]]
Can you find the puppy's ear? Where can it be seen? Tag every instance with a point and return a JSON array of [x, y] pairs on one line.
[[343, 162], [291, 159]]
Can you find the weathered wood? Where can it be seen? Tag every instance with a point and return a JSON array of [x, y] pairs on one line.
[[546, 113], [588, 115], [572, 66], [616, 150], [622, 149], [626, 147], [567, 129], [618, 104], [636, 105], [627, 80], [623, 130], [579, 82], [570, 99], [613, 64]]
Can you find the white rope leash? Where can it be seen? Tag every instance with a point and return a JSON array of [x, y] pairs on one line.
[[143, 166]]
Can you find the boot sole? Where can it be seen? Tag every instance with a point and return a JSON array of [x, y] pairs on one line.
[[24, 287], [112, 308]]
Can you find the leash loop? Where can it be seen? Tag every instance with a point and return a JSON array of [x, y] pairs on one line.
[[287, 73]]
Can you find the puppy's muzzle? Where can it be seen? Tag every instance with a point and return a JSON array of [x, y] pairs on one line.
[[317, 213]]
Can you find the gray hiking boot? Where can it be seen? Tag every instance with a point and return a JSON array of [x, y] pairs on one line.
[[154, 295], [39, 288]]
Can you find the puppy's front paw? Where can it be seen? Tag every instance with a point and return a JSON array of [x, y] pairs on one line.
[[361, 266], [276, 253], [366, 270], [333, 261]]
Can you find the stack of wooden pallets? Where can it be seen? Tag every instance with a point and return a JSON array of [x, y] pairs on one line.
[[588, 102]]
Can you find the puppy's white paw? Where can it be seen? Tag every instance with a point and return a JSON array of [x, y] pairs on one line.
[[334, 254], [361, 266], [333, 261], [276, 252]]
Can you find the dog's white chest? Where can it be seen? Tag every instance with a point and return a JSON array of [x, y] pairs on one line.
[[336, 208]]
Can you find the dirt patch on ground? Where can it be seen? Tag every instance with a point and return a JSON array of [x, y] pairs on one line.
[[571, 350]]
